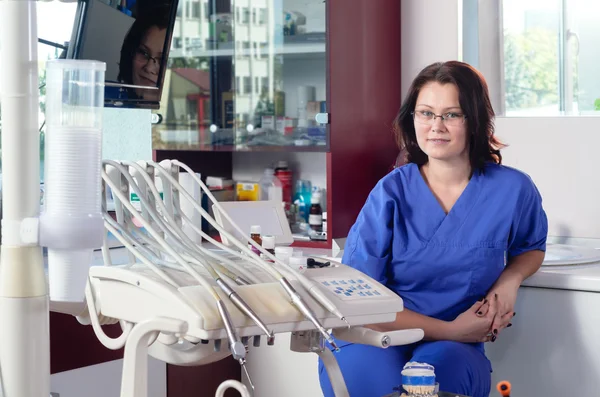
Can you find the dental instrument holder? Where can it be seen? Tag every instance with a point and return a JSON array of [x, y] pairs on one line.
[[71, 225], [313, 342]]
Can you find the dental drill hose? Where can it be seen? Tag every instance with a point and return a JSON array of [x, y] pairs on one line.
[[237, 348], [296, 299]]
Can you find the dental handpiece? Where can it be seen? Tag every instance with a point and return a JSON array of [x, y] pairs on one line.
[[244, 307], [307, 311], [237, 348]]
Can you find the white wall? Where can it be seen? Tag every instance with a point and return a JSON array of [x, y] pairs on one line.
[[557, 152], [429, 33], [560, 154]]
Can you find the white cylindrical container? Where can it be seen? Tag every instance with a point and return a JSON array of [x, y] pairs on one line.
[[268, 242], [298, 262], [284, 254], [71, 225], [188, 209]]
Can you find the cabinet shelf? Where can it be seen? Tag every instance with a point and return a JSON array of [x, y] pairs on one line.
[[291, 49], [239, 148]]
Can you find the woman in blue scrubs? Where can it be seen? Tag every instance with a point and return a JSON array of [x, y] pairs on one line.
[[453, 232]]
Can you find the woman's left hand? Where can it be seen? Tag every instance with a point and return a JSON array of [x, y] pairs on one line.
[[506, 295]]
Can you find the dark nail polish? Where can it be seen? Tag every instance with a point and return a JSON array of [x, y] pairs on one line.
[[514, 314], [495, 332], [493, 339], [509, 325], [484, 301], [480, 313]]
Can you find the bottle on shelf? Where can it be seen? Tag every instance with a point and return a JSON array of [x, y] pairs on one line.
[[270, 186], [284, 174], [268, 243], [302, 198], [324, 217], [315, 216], [255, 235]]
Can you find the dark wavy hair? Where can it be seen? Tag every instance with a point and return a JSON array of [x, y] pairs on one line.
[[156, 16], [474, 101]]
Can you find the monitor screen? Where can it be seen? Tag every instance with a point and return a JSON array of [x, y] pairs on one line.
[[133, 38]]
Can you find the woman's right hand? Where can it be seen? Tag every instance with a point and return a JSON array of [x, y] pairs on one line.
[[471, 328]]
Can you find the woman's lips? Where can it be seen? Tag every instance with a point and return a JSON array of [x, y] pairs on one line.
[[438, 141], [147, 81]]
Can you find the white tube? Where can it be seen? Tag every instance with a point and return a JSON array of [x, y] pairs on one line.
[[24, 334], [232, 384]]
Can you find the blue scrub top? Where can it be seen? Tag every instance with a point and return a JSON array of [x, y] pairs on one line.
[[441, 264]]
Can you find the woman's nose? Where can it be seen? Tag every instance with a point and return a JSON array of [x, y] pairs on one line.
[[152, 66], [438, 124]]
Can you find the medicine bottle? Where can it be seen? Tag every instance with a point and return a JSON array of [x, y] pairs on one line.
[[255, 235], [315, 215], [268, 243]]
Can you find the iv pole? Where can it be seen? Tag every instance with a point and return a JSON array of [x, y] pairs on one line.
[[24, 313]]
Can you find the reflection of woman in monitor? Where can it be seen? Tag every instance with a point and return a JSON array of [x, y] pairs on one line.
[[142, 53]]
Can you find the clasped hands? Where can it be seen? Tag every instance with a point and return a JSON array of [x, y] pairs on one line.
[[483, 321]]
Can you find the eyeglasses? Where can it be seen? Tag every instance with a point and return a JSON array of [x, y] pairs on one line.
[[142, 56], [427, 117]]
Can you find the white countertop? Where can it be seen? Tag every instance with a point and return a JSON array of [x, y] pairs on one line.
[[574, 277]]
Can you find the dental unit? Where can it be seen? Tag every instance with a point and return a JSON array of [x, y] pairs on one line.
[[175, 300]]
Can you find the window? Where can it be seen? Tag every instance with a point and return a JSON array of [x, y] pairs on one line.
[[238, 85], [254, 16], [262, 16], [549, 56], [176, 42], [196, 43], [247, 85], [237, 14], [179, 10], [531, 56], [187, 10], [196, 10], [206, 16], [256, 85], [264, 86], [263, 50], [245, 15]]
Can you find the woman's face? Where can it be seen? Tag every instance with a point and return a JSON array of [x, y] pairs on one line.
[[441, 139], [147, 60]]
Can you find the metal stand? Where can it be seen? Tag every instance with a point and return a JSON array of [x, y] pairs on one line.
[[313, 342], [24, 333]]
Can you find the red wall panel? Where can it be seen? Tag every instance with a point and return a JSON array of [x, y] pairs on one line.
[[363, 98]]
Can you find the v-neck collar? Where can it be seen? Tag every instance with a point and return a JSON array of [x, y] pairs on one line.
[[449, 223]]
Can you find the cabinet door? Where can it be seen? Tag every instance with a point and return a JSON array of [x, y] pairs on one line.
[[280, 73], [246, 75]]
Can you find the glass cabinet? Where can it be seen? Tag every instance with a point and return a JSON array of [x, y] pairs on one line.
[[246, 75]]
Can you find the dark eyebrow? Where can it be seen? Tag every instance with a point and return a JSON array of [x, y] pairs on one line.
[[445, 110]]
